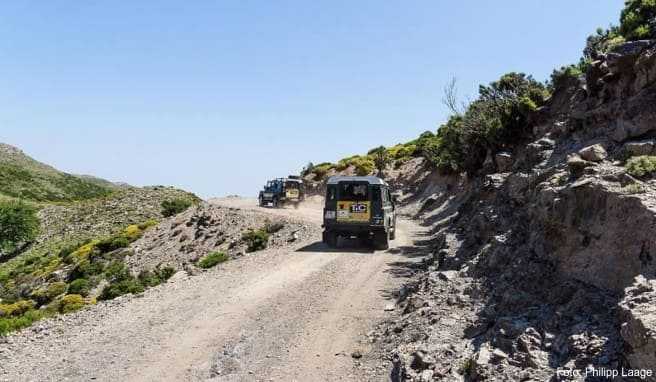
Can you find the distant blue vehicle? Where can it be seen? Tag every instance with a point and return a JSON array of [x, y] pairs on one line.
[[281, 191]]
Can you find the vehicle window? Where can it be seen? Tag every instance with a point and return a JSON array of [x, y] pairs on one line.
[[354, 191], [375, 193], [331, 193], [293, 185]]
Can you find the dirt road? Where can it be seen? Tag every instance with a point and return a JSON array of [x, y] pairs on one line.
[[274, 315]]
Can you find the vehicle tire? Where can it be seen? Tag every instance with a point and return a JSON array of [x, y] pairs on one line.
[[274, 204], [261, 201], [330, 239], [381, 240]]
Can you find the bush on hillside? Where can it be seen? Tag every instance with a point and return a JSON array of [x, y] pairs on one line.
[[212, 260], [566, 74], [71, 302], [79, 286], [638, 19], [18, 224], [641, 165], [256, 240], [498, 118], [380, 157], [156, 276], [175, 206], [321, 170]]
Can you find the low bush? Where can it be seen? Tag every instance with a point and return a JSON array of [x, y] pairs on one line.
[[212, 259], [71, 303], [48, 293], [641, 165], [155, 277], [113, 243], [175, 206], [16, 309], [120, 288], [321, 170], [256, 240], [10, 324], [80, 286], [564, 75]]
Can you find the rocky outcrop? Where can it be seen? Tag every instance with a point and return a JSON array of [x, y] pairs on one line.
[[546, 265]]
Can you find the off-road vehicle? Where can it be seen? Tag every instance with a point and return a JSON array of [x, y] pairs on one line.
[[359, 206], [281, 191]]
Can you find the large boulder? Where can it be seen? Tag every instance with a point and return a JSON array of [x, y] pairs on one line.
[[594, 153]]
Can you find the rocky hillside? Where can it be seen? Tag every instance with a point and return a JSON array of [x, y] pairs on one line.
[[86, 225], [541, 263], [25, 178]]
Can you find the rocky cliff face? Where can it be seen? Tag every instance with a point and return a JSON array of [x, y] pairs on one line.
[[543, 263]]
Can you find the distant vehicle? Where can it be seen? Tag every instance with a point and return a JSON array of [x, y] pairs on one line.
[[281, 191], [359, 206]]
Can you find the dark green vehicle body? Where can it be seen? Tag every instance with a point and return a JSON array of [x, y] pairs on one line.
[[359, 206]]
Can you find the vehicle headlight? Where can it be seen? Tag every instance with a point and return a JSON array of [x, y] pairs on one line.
[[330, 214]]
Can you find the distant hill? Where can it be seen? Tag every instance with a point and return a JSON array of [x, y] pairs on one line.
[[25, 178]]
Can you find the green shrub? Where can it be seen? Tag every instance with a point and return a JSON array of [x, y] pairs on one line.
[[175, 206], [155, 277], [634, 188], [380, 157], [71, 303], [321, 170], [16, 309], [120, 288], [10, 324], [256, 240], [132, 233], [638, 19], [498, 118], [18, 224], [48, 293], [641, 165], [212, 259], [113, 243], [564, 75], [80, 286], [602, 42]]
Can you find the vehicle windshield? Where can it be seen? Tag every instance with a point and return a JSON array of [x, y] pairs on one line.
[[354, 191], [293, 185]]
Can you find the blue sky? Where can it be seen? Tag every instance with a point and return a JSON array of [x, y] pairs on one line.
[[217, 96]]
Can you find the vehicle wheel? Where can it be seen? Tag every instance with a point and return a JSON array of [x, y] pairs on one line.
[[330, 239], [261, 202], [275, 203], [381, 240]]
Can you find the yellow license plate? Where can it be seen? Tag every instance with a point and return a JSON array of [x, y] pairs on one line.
[[348, 211]]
